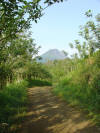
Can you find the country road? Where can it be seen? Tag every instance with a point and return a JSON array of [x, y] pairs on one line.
[[49, 114]]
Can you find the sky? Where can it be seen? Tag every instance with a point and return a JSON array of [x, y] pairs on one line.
[[60, 24]]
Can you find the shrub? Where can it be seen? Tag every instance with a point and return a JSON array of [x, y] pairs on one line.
[[13, 100], [82, 87], [36, 82]]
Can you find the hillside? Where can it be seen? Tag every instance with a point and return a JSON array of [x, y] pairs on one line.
[[51, 55]]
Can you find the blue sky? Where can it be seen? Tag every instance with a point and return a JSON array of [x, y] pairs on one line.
[[60, 24]]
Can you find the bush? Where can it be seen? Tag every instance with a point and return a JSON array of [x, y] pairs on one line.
[[13, 101], [82, 87], [37, 82]]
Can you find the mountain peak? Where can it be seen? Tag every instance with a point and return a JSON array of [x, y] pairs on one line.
[[51, 55]]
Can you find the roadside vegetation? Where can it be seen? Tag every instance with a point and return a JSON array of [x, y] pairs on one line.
[[18, 71], [18, 54], [13, 105], [77, 79]]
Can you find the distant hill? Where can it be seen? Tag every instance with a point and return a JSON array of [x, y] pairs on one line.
[[51, 55]]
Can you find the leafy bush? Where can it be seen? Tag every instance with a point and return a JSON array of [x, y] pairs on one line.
[[82, 87], [13, 100], [37, 82]]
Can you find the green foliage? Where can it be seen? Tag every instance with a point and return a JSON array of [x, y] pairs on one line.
[[13, 101], [77, 79], [37, 71], [59, 68], [17, 49], [13, 12], [90, 33], [18, 61], [37, 82], [82, 87]]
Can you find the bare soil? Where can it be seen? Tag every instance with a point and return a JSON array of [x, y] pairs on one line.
[[49, 114]]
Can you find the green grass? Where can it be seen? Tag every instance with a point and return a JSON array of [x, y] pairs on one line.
[[82, 88], [13, 100]]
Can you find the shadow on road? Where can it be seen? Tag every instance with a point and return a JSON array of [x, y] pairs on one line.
[[49, 114]]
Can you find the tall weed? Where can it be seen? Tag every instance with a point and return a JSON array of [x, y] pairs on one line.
[[82, 87], [13, 101]]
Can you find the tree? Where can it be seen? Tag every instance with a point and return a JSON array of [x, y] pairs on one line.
[[16, 15], [15, 49], [90, 33], [65, 53], [15, 56]]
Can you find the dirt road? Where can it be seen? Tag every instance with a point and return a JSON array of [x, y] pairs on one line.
[[49, 114]]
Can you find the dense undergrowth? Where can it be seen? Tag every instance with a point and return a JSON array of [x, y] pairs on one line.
[[13, 104], [38, 82], [82, 87], [13, 100]]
